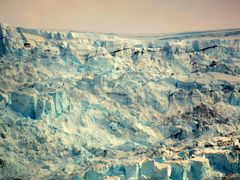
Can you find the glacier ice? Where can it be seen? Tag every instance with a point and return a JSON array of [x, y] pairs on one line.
[[108, 106]]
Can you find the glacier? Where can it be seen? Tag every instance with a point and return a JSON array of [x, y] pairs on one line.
[[77, 105]]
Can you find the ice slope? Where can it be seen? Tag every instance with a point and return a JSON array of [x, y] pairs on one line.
[[90, 106]]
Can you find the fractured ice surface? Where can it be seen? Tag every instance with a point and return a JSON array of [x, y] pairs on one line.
[[90, 106]]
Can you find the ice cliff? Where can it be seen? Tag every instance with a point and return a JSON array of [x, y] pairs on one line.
[[106, 106]]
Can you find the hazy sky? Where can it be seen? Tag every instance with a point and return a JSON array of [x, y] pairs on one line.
[[122, 16]]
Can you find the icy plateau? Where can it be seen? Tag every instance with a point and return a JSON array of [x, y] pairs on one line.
[[106, 106]]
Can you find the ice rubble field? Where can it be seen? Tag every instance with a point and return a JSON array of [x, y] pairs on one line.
[[104, 106]]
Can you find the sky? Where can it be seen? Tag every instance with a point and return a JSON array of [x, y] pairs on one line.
[[122, 16]]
